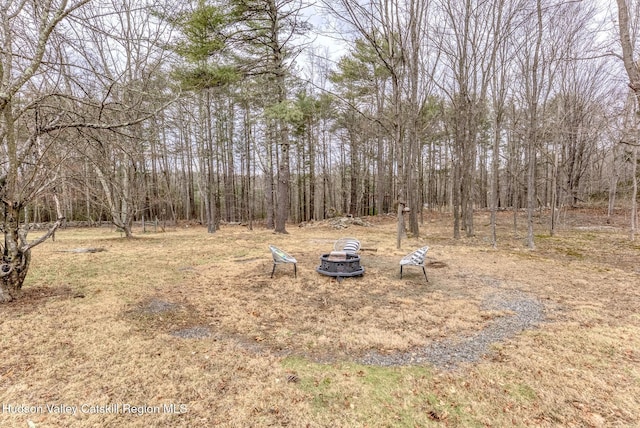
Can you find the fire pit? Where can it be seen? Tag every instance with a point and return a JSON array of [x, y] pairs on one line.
[[340, 264]]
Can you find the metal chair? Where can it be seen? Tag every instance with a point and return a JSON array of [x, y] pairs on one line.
[[415, 259], [348, 245], [280, 257]]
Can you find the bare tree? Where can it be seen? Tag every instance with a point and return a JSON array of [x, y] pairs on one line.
[[633, 71], [123, 63], [30, 43], [395, 33], [503, 15], [45, 104], [469, 36]]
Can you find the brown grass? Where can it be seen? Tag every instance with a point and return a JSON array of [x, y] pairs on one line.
[[193, 319]]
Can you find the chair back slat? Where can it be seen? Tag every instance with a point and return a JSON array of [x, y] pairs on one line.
[[348, 245], [415, 258]]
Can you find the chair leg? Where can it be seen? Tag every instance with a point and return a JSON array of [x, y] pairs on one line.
[[273, 270], [400, 271], [295, 270], [425, 274]]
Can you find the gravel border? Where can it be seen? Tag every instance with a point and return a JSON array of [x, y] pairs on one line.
[[448, 354], [526, 313]]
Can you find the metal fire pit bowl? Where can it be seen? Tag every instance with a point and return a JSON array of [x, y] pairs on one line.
[[340, 265]]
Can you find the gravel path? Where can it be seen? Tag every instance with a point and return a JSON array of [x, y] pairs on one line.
[[447, 354]]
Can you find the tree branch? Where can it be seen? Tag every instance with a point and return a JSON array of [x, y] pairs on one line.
[[26, 246], [79, 125]]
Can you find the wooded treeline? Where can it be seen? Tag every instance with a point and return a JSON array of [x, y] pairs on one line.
[[232, 110]]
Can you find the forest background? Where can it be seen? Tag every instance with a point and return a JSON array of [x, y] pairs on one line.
[[241, 111]]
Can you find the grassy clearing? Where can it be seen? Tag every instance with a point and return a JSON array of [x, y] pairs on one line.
[[187, 329]]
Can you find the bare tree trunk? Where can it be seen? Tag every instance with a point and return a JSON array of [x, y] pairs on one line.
[[533, 97], [282, 132], [455, 193], [312, 139], [380, 151], [401, 195], [284, 178], [495, 172], [269, 190], [248, 136], [209, 154], [417, 14], [118, 209], [16, 254], [353, 184], [613, 185], [554, 193], [634, 191], [15, 261]]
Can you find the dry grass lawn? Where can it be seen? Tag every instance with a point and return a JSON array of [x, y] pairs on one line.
[[186, 329]]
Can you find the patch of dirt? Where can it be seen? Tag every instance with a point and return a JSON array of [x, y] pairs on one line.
[[435, 265], [157, 315], [198, 332], [83, 250], [32, 297], [155, 306]]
